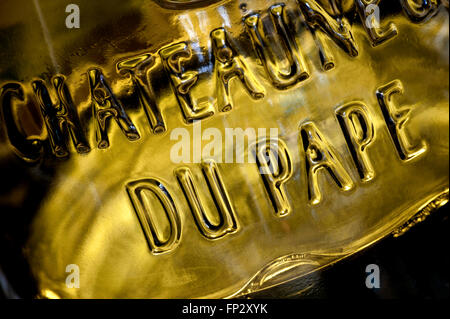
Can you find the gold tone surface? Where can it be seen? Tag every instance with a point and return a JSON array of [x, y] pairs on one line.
[[362, 118]]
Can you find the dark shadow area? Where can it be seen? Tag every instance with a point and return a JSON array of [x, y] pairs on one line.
[[414, 265]]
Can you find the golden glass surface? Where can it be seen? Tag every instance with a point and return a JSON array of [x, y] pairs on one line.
[[89, 116]]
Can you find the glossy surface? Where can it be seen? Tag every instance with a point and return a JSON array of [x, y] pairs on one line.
[[368, 105]]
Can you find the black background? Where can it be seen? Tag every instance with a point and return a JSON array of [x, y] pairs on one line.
[[414, 265]]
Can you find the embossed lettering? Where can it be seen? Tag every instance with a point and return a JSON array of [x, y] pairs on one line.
[[275, 165], [228, 65], [137, 68], [61, 119], [183, 81], [297, 67], [377, 34], [420, 10], [396, 119], [226, 221], [326, 56], [157, 242], [358, 130], [320, 155], [29, 148], [337, 29], [104, 106]]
